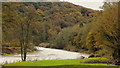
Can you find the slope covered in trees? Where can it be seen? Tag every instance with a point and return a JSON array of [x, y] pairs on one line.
[[50, 18]]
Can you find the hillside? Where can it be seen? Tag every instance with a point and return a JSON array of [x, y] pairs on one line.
[[61, 14], [52, 17]]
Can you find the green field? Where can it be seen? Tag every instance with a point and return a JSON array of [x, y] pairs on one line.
[[67, 63]]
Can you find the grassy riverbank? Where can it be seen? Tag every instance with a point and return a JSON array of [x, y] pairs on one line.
[[67, 63]]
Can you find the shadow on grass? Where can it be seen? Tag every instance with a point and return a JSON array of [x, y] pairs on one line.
[[63, 66]]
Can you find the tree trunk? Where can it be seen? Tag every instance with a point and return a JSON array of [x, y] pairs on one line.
[[116, 56], [21, 50]]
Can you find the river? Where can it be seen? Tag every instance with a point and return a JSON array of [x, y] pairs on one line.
[[43, 54]]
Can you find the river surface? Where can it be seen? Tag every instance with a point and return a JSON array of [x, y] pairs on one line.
[[43, 54]]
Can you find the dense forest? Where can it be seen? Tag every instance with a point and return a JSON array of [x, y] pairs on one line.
[[62, 25]]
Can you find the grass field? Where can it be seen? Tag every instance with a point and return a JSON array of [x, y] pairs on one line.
[[67, 63]]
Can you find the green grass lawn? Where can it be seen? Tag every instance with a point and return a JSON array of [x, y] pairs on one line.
[[67, 63]]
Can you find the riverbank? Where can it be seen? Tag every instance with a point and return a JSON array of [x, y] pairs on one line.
[[66, 63], [6, 50]]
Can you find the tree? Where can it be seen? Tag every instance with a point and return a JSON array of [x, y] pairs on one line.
[[18, 25], [29, 16]]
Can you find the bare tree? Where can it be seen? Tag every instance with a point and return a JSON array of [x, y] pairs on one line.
[[25, 30], [22, 28]]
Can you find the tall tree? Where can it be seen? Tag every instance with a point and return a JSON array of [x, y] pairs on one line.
[[18, 25], [29, 17]]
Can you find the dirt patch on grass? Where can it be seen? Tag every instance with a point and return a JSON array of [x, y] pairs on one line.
[[97, 61]]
